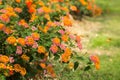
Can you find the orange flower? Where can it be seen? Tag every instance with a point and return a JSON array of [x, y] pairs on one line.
[[29, 41], [23, 23], [2, 66], [35, 36], [4, 59], [67, 21], [17, 9], [60, 0], [21, 41], [40, 28], [83, 2], [9, 9], [5, 18], [31, 10], [42, 65], [89, 6], [11, 40], [68, 51], [9, 67], [41, 49], [97, 11], [33, 17], [50, 23], [96, 61], [17, 67], [23, 71], [50, 70], [97, 66], [64, 9], [65, 58], [94, 58], [20, 69], [73, 8], [46, 28], [1, 26], [7, 30], [11, 14], [0, 2], [46, 9], [55, 1], [18, 1], [56, 41], [47, 16], [41, 3], [65, 38], [29, 3], [11, 72], [25, 57]]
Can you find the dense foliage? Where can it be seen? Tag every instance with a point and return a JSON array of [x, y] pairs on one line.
[[33, 34]]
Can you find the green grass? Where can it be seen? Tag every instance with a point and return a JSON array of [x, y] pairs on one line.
[[108, 39], [110, 6]]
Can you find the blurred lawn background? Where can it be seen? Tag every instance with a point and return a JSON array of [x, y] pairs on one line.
[[107, 41]]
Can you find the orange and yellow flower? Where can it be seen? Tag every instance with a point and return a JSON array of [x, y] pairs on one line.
[[35, 36], [46, 9], [83, 2], [7, 30], [29, 40], [56, 41], [23, 71], [18, 1], [73, 8], [2, 66], [25, 57], [4, 59], [43, 65], [21, 41], [19, 69], [67, 21], [65, 38], [23, 23], [65, 57], [11, 40], [96, 61], [17, 9], [1, 26], [5, 18], [41, 49]]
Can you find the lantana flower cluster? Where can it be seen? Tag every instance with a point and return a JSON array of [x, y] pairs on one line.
[[30, 32]]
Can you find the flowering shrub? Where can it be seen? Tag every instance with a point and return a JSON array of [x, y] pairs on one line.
[[32, 32], [85, 7]]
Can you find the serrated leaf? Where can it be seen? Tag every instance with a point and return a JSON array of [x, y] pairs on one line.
[[76, 64]]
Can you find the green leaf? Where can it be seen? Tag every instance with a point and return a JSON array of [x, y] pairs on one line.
[[87, 68], [76, 64], [56, 57], [2, 77], [80, 58]]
